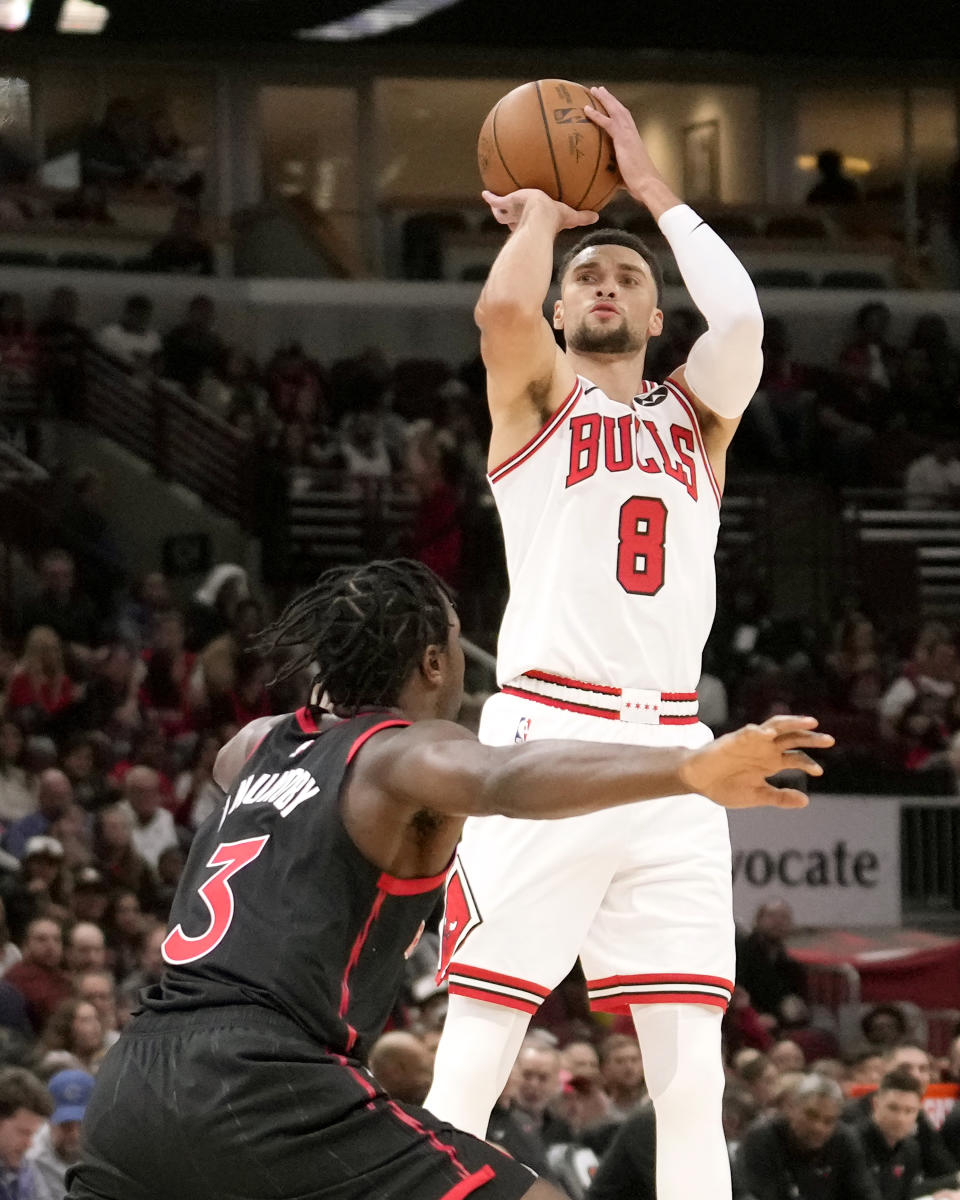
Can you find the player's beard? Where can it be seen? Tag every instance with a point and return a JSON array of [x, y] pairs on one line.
[[621, 340]]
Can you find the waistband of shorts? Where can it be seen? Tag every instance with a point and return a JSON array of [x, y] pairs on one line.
[[638, 706], [150, 1022]]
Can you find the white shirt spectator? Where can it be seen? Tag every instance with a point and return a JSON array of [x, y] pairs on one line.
[[933, 480], [157, 835], [130, 347]]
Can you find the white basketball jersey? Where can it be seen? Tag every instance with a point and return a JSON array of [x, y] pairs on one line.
[[610, 519]]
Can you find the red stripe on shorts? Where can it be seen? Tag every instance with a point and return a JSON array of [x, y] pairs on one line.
[[620, 1003], [470, 1184], [485, 976], [459, 989], [450, 1152], [627, 980]]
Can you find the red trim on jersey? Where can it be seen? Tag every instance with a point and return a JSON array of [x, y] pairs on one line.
[[514, 1002], [369, 734], [355, 952], [367, 1086], [393, 885], [621, 1003], [601, 688], [686, 400], [686, 697], [626, 980], [484, 976], [260, 742], [679, 720], [305, 720], [586, 710], [470, 1184], [449, 1151], [543, 434]]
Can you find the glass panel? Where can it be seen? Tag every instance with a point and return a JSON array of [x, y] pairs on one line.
[[309, 141]]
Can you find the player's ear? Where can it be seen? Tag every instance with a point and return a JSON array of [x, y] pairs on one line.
[[655, 326], [431, 665], [558, 314]]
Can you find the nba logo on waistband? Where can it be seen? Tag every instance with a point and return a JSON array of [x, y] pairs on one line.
[[523, 730]]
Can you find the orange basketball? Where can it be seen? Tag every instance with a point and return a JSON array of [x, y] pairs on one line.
[[538, 136]]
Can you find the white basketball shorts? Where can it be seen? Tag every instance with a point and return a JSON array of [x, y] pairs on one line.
[[643, 892]]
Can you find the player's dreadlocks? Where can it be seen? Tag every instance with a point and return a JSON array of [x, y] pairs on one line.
[[366, 627]]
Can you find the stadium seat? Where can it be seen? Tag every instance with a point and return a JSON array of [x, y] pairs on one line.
[[24, 258], [864, 280], [783, 277], [80, 261]]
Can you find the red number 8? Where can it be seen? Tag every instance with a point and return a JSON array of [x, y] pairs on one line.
[[180, 948], [642, 533]]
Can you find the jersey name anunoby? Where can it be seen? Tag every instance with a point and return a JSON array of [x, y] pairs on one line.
[[285, 790]]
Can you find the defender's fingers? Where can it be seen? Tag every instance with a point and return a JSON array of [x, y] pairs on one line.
[[807, 738], [789, 722], [787, 797], [796, 760]]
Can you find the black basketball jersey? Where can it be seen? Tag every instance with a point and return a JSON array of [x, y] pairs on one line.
[[277, 907]]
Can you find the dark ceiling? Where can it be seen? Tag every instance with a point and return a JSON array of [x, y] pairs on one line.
[[822, 28]]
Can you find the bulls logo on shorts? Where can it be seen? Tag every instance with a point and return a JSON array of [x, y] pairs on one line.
[[460, 917]]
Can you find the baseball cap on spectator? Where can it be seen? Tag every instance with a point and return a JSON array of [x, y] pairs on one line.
[[42, 845], [71, 1093], [91, 878]]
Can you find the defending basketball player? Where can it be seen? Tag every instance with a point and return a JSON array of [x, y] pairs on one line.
[[608, 488], [243, 1074]]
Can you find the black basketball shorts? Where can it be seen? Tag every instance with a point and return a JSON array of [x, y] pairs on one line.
[[237, 1103]]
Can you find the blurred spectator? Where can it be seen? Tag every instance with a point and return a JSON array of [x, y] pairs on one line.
[[165, 691], [866, 1067], [291, 376], [797, 1030], [833, 186], [41, 889], [99, 988], [854, 672], [758, 1076], [124, 929], [183, 251], [56, 1145], [621, 1070], [86, 206], [63, 340], [152, 600], [19, 349], [75, 1027], [869, 355], [193, 348], [248, 699], [743, 1027], [25, 1105], [39, 688], [118, 857], [627, 1169], [402, 1066], [933, 479], [149, 968], [363, 447], [436, 536], [765, 968], [54, 798], [196, 792], [806, 1154], [80, 765], [90, 895], [86, 949], [9, 951], [884, 1026], [936, 1159], [112, 152], [888, 1140], [781, 414], [112, 699], [39, 977], [16, 799], [218, 665], [153, 829], [931, 675], [787, 1056], [214, 605], [583, 1102], [169, 161], [133, 339], [62, 605], [169, 869], [538, 1086]]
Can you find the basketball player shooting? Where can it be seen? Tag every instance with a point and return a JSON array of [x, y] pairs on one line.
[[243, 1074], [608, 488]]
